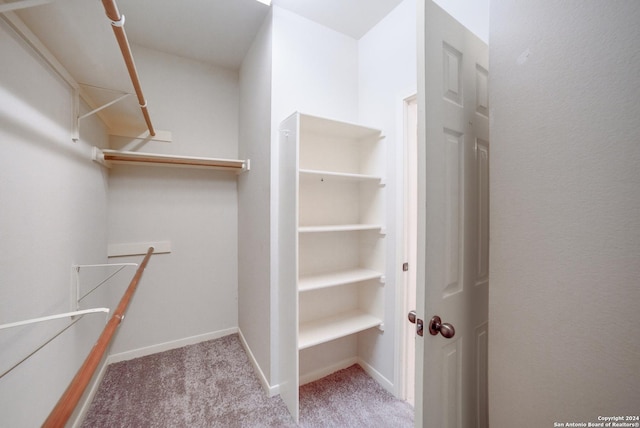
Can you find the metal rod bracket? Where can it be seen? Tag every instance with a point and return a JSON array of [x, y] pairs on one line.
[[118, 23]]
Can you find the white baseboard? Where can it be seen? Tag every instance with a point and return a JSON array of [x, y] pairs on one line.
[[326, 371], [271, 391], [166, 346], [383, 381]]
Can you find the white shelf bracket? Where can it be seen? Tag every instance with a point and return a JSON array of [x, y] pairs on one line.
[[98, 156], [55, 317], [8, 7], [76, 296], [76, 128], [122, 97], [76, 112]]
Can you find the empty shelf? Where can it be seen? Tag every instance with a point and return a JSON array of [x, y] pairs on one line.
[[332, 128], [314, 282], [341, 176], [339, 228], [320, 331], [108, 157]]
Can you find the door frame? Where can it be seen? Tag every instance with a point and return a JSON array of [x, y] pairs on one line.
[[404, 328]]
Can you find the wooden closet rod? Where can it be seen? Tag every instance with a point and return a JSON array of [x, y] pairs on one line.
[[117, 23], [69, 400]]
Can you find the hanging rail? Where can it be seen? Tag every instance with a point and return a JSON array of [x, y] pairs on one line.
[[108, 157], [69, 400], [117, 23]]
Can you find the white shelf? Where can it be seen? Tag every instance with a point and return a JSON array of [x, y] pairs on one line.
[[108, 157], [339, 228], [315, 282], [341, 176], [320, 331], [330, 127]]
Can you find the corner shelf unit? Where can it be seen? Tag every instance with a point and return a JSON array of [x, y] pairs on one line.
[[331, 243]]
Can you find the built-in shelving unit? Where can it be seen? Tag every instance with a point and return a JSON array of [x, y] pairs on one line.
[[331, 243], [108, 157]]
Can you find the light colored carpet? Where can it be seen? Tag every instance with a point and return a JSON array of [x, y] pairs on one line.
[[351, 398], [212, 384]]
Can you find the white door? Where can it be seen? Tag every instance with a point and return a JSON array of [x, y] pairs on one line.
[[453, 223]]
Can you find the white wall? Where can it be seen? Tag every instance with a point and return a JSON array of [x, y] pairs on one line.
[[565, 212], [293, 65], [315, 71], [193, 290], [473, 14], [254, 196], [53, 215], [387, 75]]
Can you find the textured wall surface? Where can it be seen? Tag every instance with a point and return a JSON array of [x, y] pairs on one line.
[[565, 212], [192, 290], [387, 75], [53, 202]]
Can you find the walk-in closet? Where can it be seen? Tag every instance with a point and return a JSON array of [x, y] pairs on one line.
[[205, 179]]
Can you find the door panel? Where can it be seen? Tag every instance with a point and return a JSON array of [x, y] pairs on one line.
[[451, 358], [482, 215], [482, 391], [453, 145], [453, 221]]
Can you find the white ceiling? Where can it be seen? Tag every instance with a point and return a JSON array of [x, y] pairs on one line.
[[350, 17], [218, 32], [214, 31], [221, 31]]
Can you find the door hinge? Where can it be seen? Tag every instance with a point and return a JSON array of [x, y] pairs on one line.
[[405, 266]]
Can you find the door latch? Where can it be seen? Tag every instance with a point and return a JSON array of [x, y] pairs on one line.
[[413, 318]]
